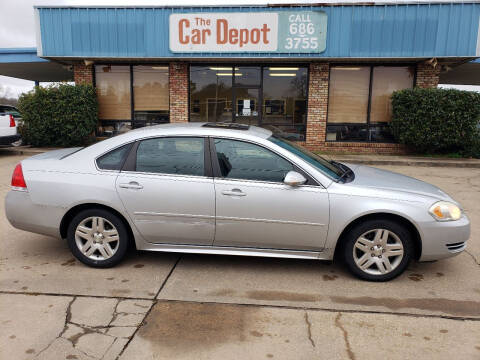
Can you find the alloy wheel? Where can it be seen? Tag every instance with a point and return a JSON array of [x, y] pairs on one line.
[[378, 251], [97, 238]]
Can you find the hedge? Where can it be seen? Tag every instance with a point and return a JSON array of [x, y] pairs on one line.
[[437, 120], [58, 115]]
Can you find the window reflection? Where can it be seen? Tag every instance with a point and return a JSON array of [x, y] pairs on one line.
[[211, 93], [277, 101], [285, 100]]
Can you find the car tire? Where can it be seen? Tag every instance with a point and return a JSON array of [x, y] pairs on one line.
[[98, 238], [378, 250]]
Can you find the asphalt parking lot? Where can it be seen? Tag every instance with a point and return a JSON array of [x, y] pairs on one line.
[[173, 306]]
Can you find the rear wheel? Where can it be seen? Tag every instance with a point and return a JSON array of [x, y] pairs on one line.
[[378, 250], [97, 238]]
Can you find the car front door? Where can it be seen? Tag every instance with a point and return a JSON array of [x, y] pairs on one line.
[[254, 208], [166, 191]]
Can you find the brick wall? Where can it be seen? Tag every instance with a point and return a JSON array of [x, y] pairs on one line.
[[83, 74], [317, 106], [427, 75], [178, 80]]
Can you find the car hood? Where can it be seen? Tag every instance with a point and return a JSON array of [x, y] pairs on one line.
[[366, 176]]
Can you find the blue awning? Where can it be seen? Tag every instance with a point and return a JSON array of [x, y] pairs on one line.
[[360, 31], [23, 63]]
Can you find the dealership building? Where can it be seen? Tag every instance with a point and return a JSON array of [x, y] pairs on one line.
[[320, 75]]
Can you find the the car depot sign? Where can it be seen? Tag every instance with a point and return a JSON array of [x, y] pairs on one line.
[[280, 32]]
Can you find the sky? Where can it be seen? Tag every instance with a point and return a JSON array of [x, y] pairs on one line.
[[17, 28]]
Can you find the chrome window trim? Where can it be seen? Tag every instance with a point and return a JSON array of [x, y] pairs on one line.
[[166, 174]]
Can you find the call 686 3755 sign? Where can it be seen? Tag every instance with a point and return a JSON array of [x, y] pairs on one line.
[[280, 32]]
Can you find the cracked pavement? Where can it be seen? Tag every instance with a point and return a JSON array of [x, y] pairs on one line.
[[173, 306]]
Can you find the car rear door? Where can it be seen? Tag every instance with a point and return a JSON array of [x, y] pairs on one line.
[[168, 192], [254, 208]]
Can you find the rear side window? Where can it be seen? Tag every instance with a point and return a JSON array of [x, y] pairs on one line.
[[181, 155], [114, 159], [9, 110]]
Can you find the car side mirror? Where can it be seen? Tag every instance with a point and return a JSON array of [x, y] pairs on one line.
[[294, 178]]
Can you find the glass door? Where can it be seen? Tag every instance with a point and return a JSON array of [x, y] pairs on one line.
[[247, 102], [247, 83]]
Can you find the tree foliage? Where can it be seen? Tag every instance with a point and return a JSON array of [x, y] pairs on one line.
[[437, 120], [58, 115]]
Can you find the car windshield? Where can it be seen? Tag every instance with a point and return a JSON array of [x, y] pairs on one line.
[[327, 167]]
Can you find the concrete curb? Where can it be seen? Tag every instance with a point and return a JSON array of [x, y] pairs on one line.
[[420, 163]]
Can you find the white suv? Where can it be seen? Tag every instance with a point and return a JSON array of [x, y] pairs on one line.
[[9, 120]]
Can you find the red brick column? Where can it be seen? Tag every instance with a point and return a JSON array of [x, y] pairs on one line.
[[178, 87], [427, 75], [83, 74], [317, 106]]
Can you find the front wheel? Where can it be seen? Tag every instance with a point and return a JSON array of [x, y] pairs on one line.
[[97, 238], [378, 250]]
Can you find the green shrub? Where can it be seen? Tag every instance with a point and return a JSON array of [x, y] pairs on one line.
[[436, 120], [58, 115]]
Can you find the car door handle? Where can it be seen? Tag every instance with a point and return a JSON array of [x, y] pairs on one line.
[[234, 192], [131, 185]]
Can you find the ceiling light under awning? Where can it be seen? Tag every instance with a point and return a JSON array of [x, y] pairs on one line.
[[282, 74], [222, 68], [283, 68], [229, 74]]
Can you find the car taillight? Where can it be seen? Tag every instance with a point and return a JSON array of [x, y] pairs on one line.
[[12, 121], [18, 181]]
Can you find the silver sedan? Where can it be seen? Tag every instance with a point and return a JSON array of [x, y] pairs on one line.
[[231, 189]]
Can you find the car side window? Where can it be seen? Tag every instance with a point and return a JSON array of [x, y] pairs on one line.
[[243, 160], [114, 159], [171, 155]]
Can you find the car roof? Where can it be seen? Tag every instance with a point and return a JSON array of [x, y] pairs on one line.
[[198, 128], [176, 129]]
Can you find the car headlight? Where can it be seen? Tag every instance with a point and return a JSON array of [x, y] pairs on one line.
[[445, 211]]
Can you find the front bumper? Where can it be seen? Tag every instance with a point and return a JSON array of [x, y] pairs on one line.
[[441, 240], [23, 214], [7, 140]]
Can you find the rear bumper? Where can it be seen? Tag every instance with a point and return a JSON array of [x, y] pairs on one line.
[[7, 140], [23, 214], [444, 239]]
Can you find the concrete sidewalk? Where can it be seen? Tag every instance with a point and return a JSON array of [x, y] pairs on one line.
[[207, 307], [365, 159], [405, 160]]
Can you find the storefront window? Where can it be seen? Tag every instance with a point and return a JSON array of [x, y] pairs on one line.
[[113, 91], [386, 80], [359, 105], [285, 100], [211, 93], [248, 75], [273, 97], [150, 95], [348, 98]]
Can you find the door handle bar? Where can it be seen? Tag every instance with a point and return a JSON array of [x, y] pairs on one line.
[[135, 186], [233, 193]]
